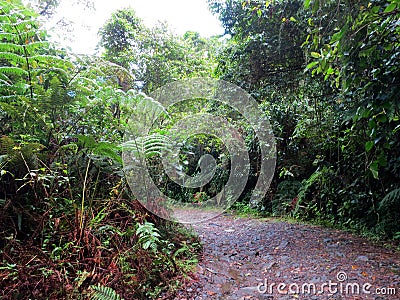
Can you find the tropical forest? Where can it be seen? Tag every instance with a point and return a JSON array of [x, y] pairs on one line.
[[324, 75]]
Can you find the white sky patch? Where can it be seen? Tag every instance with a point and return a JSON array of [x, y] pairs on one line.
[[181, 15]]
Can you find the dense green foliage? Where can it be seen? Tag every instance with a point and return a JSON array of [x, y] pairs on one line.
[[67, 220], [326, 73], [361, 62], [337, 123], [155, 56]]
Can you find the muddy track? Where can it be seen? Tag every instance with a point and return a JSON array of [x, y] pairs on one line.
[[270, 259]]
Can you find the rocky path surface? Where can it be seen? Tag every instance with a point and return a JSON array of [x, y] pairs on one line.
[[270, 259]]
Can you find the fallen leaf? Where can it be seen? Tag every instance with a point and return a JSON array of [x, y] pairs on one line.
[[364, 274], [211, 293]]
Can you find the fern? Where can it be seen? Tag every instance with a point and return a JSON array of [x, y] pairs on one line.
[[148, 236], [22, 49], [23, 55], [147, 146], [109, 150], [308, 183], [139, 142], [313, 181], [6, 145], [101, 292], [19, 158], [12, 37], [12, 57], [9, 109], [107, 71], [50, 59], [13, 70], [11, 46], [390, 201], [389, 213]]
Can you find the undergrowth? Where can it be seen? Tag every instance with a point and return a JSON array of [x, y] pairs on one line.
[[110, 251], [69, 227]]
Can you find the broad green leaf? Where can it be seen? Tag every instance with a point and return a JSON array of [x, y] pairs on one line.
[[323, 64], [391, 7], [381, 118], [369, 145], [337, 36], [311, 65], [13, 70], [315, 54], [374, 169], [330, 71], [315, 6]]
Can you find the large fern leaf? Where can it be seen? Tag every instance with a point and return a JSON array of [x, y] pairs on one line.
[[6, 145], [389, 214], [11, 46], [12, 57], [147, 146], [13, 70]]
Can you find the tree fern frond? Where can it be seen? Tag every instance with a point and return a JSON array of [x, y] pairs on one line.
[[147, 111], [85, 90], [150, 108], [47, 58], [104, 293], [86, 83], [109, 150], [111, 72], [11, 47], [4, 83], [34, 46], [63, 73], [7, 98], [5, 78], [147, 146], [12, 57], [9, 36], [24, 27], [13, 70]]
